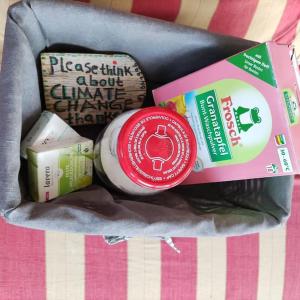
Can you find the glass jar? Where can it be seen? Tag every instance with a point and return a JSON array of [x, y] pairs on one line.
[[145, 151]]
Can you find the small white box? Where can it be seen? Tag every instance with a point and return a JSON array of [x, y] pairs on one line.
[[48, 128]]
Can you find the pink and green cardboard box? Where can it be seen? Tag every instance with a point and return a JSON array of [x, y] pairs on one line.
[[245, 113]]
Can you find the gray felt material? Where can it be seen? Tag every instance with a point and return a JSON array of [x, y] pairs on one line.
[[165, 52]]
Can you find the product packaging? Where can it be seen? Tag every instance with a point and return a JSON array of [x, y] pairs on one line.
[[59, 167], [244, 111], [48, 128]]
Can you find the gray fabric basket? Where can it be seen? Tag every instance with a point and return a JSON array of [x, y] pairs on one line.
[[166, 52]]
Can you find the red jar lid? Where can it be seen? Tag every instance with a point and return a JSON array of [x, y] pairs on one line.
[[157, 148]]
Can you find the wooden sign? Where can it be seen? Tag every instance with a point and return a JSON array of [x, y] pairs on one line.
[[91, 88]]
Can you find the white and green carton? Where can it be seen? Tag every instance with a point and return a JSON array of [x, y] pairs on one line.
[[48, 128], [60, 167]]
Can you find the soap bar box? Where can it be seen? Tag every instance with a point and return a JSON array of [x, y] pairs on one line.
[[244, 111], [60, 167]]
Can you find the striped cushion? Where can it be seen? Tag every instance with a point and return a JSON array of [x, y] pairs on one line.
[[258, 20], [49, 265]]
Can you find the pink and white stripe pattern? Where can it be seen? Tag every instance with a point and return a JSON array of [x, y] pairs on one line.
[[49, 265]]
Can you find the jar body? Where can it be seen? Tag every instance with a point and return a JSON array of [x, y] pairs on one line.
[[106, 160], [144, 151]]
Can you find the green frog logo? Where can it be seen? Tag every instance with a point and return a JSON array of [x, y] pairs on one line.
[[246, 118]]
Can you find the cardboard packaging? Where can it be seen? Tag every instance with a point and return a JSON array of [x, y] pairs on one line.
[[244, 111], [60, 167], [47, 129]]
